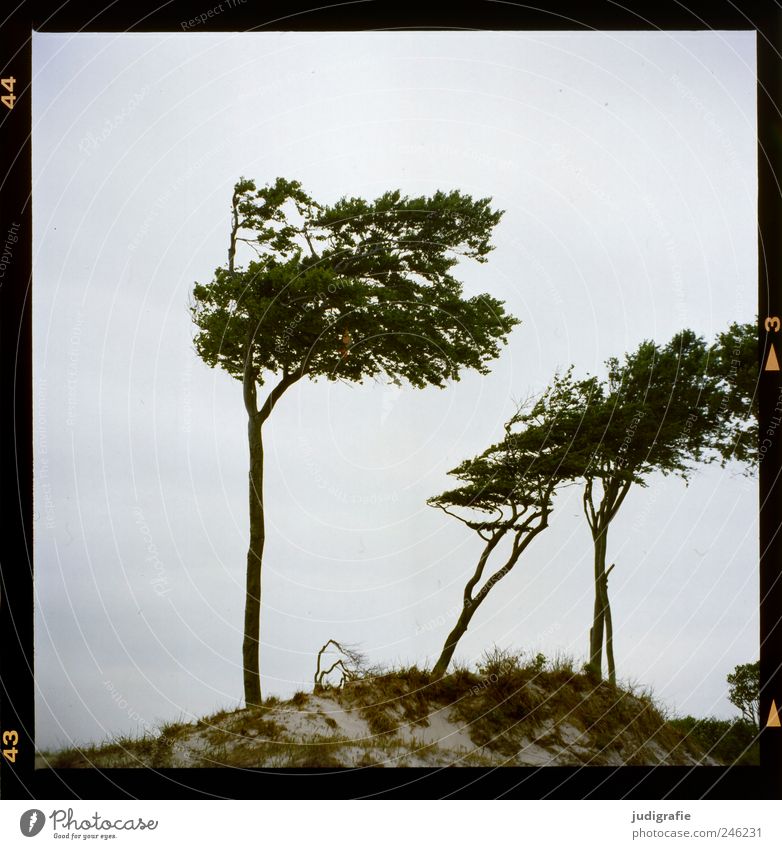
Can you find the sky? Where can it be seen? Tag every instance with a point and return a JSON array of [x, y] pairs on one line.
[[626, 167]]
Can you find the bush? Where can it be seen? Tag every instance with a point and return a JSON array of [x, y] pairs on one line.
[[499, 663], [732, 742]]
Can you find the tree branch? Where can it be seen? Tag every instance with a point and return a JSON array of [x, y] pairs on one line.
[[455, 515], [309, 242], [276, 393], [497, 536], [589, 507], [234, 231], [619, 498]]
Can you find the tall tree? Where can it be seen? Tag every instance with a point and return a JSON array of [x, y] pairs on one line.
[[656, 412], [507, 491], [344, 291]]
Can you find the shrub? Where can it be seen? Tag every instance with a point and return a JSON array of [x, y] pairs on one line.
[[732, 742]]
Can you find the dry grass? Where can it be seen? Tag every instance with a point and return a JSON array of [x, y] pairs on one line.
[[507, 705]]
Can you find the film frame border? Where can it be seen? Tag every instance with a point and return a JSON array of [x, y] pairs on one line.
[[17, 707]]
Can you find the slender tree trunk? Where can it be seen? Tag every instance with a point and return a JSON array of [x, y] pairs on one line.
[[598, 616], [252, 610], [613, 495], [453, 638], [468, 608], [609, 635], [522, 539]]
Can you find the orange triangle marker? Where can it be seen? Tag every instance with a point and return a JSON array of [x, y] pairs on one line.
[[772, 363], [773, 716]]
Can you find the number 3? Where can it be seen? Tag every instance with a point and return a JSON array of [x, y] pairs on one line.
[[7, 738]]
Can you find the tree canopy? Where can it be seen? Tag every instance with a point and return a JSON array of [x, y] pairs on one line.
[[351, 290]]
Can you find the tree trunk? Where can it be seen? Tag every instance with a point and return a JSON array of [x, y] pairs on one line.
[[453, 638], [595, 664], [609, 636], [252, 609], [471, 603], [468, 607]]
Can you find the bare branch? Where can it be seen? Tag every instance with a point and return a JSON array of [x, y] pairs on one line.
[[455, 515], [355, 657]]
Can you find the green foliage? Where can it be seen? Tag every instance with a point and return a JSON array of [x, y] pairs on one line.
[[734, 362], [744, 691], [656, 411], [351, 290], [730, 742], [545, 446]]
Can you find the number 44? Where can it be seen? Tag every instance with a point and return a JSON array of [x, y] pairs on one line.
[[8, 99]]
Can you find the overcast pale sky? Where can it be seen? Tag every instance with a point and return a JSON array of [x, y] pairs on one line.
[[626, 166]]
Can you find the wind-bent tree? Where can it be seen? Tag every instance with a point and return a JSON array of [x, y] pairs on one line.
[[734, 362], [344, 291], [508, 490], [656, 412]]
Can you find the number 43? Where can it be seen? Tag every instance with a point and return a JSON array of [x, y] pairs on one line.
[[10, 738], [8, 99]]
